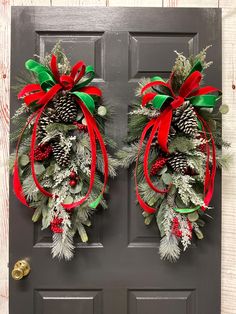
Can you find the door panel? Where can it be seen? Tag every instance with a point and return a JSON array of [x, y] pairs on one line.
[[152, 53], [170, 302], [119, 271]]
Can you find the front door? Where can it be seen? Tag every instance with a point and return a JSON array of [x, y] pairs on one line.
[[119, 271]]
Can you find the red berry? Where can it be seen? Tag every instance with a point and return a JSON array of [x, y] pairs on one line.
[[56, 225], [73, 175], [73, 183], [158, 165]]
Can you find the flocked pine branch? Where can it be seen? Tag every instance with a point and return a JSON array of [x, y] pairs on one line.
[[62, 246], [169, 248]]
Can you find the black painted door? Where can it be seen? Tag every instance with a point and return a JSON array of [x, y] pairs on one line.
[[119, 271]]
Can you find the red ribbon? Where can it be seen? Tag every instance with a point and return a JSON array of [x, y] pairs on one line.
[[210, 172], [17, 187]]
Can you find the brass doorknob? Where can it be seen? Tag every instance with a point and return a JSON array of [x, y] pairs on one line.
[[20, 270]]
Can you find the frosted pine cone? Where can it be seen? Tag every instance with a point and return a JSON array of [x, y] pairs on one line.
[[184, 118], [178, 163], [66, 108], [62, 158], [48, 118]]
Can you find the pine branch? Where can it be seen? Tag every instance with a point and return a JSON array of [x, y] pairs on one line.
[[169, 248], [63, 62], [30, 189], [62, 246], [149, 195], [224, 160], [184, 185], [128, 154], [82, 233], [181, 144], [136, 125], [201, 56], [113, 164]]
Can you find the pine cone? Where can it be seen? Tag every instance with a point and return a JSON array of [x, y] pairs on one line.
[[48, 118], [62, 158], [171, 134], [185, 120], [178, 163], [66, 108]]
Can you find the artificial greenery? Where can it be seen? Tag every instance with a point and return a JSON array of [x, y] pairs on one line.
[[54, 177], [185, 189]]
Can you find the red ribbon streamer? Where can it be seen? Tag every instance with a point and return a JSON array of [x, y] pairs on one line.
[[209, 174], [16, 177]]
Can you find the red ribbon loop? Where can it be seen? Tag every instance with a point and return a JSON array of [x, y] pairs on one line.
[[177, 102], [78, 71], [67, 82], [210, 156], [54, 68], [190, 84]]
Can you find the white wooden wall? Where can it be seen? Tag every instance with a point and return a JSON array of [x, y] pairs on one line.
[[229, 122]]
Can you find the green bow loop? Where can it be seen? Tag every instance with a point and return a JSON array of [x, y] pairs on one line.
[[163, 90], [159, 100], [46, 80], [186, 210], [157, 78], [36, 67], [86, 99], [95, 203], [89, 76], [196, 67], [207, 101], [44, 75]]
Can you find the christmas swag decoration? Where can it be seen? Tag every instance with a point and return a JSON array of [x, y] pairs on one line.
[[175, 143], [60, 164]]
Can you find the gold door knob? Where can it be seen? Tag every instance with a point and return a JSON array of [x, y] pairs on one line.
[[20, 270]]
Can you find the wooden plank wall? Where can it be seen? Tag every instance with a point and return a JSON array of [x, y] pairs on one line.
[[229, 122]]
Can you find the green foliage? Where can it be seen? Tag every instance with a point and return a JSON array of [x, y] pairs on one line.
[[63, 62], [224, 160], [201, 56], [160, 217], [113, 164], [181, 144], [183, 66], [136, 125], [183, 183], [185, 190], [51, 175], [128, 154], [82, 233], [64, 128], [37, 214], [150, 196], [181, 69]]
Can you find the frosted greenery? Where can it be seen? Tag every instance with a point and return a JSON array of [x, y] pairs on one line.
[[179, 216]]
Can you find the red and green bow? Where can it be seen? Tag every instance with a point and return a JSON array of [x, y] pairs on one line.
[[167, 101], [50, 83]]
